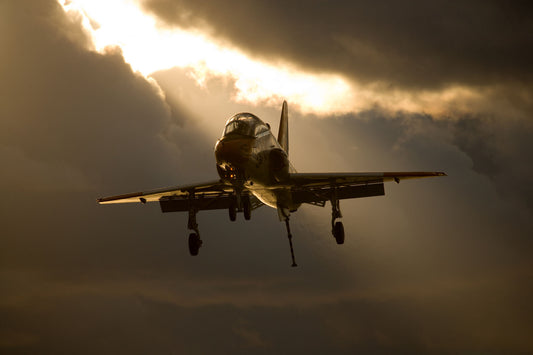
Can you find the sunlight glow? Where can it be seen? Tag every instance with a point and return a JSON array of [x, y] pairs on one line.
[[148, 47]]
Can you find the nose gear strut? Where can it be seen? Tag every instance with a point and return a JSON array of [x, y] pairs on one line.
[[240, 203]]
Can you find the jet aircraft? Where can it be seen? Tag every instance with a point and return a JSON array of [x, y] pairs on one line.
[[254, 170]]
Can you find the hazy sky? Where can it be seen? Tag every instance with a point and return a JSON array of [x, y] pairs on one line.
[[436, 266]]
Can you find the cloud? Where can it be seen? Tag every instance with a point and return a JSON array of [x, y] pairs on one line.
[[425, 269], [501, 150], [417, 44], [119, 321], [446, 60], [73, 107]]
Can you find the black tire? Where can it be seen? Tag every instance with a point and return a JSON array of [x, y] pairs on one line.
[[247, 208], [194, 244], [232, 211], [338, 232]]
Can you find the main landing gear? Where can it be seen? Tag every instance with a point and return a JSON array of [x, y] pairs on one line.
[[337, 228], [194, 238], [239, 204]]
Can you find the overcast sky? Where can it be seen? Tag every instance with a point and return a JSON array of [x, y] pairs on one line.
[[436, 266]]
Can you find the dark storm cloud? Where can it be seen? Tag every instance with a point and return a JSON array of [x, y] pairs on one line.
[[66, 106], [159, 326], [76, 125], [500, 148], [405, 44]]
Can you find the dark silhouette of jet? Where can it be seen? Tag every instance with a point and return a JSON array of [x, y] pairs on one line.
[[255, 170]]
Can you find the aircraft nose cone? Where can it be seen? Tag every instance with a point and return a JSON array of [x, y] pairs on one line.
[[234, 152]]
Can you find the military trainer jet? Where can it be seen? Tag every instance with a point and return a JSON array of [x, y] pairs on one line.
[[254, 170]]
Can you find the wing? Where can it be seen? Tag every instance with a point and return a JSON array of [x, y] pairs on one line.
[[208, 188], [205, 196], [310, 179], [316, 188]]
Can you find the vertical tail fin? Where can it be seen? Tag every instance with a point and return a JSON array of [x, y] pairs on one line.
[[283, 134]]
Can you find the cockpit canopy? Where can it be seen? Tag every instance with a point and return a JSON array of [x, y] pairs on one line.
[[245, 124]]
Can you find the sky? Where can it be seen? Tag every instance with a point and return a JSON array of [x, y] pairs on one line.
[[102, 98]]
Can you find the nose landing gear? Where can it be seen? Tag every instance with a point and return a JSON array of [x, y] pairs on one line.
[[233, 211], [247, 207], [240, 204]]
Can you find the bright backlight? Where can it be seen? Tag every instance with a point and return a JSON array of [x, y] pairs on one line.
[[148, 47]]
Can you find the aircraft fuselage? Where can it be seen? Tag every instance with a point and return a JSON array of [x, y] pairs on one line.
[[249, 156]]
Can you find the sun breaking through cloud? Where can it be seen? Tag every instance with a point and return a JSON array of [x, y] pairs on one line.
[[149, 47]]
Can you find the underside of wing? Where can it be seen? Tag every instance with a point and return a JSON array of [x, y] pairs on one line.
[[205, 196], [309, 179], [209, 188], [317, 188]]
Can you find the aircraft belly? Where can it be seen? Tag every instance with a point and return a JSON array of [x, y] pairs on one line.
[[262, 182], [268, 197]]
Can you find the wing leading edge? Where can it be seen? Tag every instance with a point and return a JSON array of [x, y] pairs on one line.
[[206, 196], [208, 188]]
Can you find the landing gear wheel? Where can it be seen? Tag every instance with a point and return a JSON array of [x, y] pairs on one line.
[[247, 208], [194, 244], [338, 232], [232, 211]]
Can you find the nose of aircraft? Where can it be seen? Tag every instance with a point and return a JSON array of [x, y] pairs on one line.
[[233, 151]]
